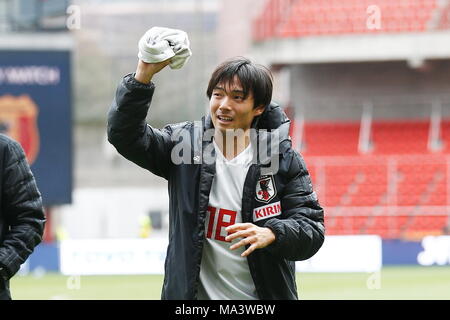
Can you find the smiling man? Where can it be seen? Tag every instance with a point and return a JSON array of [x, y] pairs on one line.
[[236, 227]]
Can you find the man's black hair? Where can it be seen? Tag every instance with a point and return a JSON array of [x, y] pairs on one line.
[[253, 78]]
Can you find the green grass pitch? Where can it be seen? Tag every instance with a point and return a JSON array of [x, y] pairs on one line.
[[401, 282]]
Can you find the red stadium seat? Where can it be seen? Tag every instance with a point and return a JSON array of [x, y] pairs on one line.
[[394, 191], [288, 18]]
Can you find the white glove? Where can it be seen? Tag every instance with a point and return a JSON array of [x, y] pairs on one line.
[[159, 44]]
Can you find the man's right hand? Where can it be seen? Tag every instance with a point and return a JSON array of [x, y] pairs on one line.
[[145, 71]]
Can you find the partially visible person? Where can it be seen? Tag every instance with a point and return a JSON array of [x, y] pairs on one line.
[[235, 228], [22, 217]]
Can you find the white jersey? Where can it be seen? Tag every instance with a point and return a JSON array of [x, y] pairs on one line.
[[224, 274]]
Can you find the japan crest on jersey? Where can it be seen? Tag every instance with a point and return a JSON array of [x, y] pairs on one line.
[[265, 189]]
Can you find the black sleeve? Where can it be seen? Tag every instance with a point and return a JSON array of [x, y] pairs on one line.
[[129, 133], [21, 208], [300, 230]]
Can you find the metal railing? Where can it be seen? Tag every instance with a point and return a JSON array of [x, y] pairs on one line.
[[392, 177]]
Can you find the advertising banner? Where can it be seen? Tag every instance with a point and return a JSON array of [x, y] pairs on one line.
[[112, 256], [346, 254], [35, 109], [146, 256]]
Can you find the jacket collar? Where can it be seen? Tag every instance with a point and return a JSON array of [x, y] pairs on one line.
[[272, 128]]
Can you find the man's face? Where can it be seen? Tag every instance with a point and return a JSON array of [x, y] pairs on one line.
[[229, 110]]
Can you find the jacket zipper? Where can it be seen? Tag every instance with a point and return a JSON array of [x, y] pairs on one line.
[[248, 203]]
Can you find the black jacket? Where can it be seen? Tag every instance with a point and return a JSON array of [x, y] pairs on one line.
[[21, 215], [299, 230]]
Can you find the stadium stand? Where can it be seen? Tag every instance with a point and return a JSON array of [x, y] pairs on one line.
[[331, 138], [398, 189], [397, 186], [299, 18]]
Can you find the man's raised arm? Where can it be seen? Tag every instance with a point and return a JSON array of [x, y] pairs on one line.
[[127, 129], [146, 71]]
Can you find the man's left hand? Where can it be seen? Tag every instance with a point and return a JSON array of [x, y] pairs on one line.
[[252, 235]]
